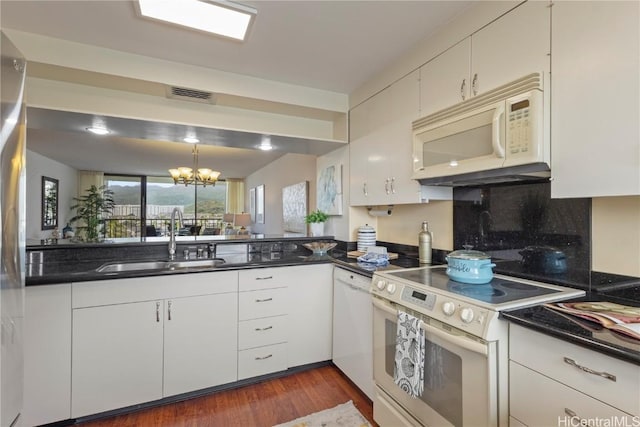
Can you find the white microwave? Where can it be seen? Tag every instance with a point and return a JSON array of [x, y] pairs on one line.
[[495, 137]]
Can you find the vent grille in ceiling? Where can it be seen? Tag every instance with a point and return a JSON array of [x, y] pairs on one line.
[[192, 95]]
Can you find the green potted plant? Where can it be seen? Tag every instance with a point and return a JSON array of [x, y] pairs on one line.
[[90, 211], [316, 220]]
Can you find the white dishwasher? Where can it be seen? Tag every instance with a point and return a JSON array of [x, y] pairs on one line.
[[352, 328]]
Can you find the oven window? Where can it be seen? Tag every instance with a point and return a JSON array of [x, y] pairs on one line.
[[442, 376]]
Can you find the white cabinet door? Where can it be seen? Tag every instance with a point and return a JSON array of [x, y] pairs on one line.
[[358, 172], [444, 81], [117, 356], [310, 314], [47, 354], [200, 342], [595, 131], [377, 152], [404, 109], [511, 47], [381, 150], [360, 147]]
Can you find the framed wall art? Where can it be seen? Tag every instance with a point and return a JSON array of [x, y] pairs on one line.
[[329, 195], [260, 204], [295, 200], [49, 203]]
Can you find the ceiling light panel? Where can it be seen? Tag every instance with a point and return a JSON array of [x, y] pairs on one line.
[[223, 18]]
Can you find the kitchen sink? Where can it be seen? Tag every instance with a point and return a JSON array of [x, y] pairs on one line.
[[118, 267], [196, 263]]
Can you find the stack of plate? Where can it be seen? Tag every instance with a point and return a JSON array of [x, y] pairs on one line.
[[366, 237]]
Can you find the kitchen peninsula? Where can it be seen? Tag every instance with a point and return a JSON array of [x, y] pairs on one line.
[[168, 333]]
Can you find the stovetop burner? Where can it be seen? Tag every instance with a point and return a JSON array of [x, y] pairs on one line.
[[498, 291]]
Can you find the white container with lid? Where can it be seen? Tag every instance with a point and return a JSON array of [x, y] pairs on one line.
[[366, 237]]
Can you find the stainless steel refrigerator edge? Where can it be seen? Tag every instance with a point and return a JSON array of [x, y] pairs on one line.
[[12, 230]]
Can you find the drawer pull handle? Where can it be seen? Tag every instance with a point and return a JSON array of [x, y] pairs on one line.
[[169, 310], [264, 300], [264, 278], [589, 370], [264, 329], [264, 357], [573, 415], [157, 312]]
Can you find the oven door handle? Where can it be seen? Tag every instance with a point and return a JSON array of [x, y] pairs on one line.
[[465, 343], [459, 341]]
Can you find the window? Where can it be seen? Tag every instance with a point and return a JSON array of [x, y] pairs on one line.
[[144, 205]]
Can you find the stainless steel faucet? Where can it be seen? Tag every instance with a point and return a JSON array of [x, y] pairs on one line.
[[172, 232]]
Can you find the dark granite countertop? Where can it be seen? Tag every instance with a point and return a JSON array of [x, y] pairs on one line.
[[575, 330], [51, 264], [86, 271]]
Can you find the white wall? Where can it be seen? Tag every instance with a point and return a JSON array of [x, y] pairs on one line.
[[37, 166], [338, 225], [615, 235], [287, 170]]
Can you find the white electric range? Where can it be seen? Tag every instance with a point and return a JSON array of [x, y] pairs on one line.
[[466, 364]]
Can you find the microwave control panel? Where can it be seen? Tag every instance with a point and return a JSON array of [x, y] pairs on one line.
[[522, 116]]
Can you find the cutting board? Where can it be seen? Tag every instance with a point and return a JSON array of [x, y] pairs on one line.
[[356, 254]]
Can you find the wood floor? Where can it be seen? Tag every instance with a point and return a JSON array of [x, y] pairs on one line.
[[259, 405]]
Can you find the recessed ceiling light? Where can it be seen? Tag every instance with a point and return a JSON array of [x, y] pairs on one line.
[[191, 139], [265, 144], [219, 17], [98, 131]]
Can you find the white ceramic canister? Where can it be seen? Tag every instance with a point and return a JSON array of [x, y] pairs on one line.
[[366, 237]]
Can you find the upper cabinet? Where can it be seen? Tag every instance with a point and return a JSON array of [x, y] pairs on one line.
[[516, 44], [381, 146], [380, 153], [595, 135]]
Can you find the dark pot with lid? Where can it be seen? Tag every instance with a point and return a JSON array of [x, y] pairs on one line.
[[544, 259], [469, 266]]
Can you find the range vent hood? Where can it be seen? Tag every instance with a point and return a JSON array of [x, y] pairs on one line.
[[529, 172]]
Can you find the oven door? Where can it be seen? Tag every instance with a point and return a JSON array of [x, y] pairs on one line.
[[460, 374]]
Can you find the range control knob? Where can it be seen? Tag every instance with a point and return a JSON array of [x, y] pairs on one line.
[[466, 315], [381, 284], [448, 308], [391, 288]]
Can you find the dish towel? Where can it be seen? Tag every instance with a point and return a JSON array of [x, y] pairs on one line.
[[374, 258], [408, 372]]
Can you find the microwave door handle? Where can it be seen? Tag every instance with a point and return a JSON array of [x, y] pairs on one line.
[[495, 131]]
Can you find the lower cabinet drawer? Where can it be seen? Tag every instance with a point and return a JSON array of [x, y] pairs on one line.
[[262, 360], [617, 384], [261, 332], [264, 303], [536, 400]]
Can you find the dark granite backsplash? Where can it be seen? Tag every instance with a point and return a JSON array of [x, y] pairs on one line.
[[527, 233]]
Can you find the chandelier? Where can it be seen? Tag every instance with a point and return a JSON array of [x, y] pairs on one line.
[[201, 176]]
